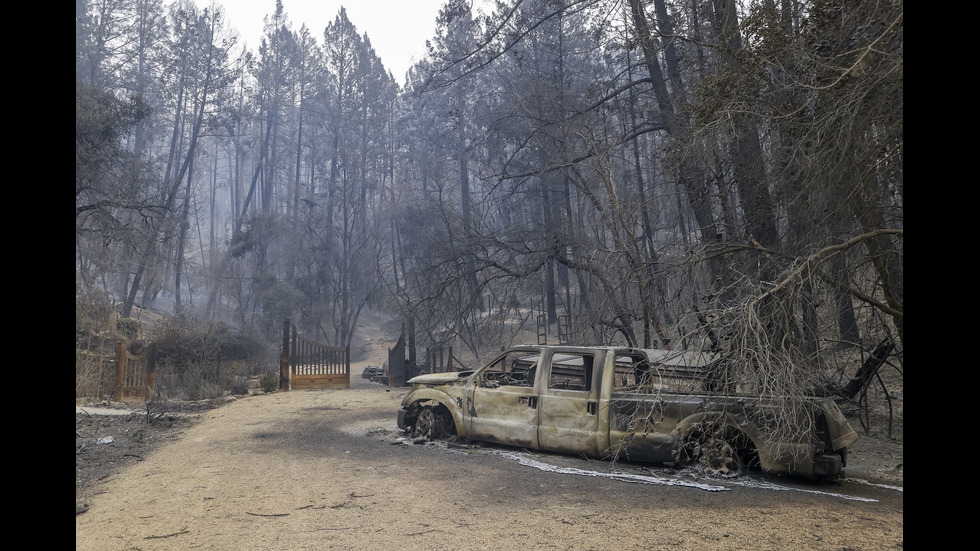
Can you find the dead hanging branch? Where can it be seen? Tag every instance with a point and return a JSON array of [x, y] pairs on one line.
[[810, 264], [768, 338], [816, 259]]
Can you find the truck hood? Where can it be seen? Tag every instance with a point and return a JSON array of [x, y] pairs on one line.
[[438, 378]]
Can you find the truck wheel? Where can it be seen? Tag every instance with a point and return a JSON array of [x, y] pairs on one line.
[[717, 457], [714, 453], [430, 424]]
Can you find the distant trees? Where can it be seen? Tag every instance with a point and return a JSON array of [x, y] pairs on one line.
[[199, 75], [114, 186]]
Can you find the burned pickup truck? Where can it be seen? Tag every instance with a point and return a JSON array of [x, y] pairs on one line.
[[627, 403]]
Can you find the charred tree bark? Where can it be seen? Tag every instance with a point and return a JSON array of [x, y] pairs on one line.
[[868, 369]]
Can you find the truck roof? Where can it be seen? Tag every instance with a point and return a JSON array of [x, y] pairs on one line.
[[658, 356]]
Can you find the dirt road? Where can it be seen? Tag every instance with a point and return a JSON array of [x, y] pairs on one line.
[[329, 470]]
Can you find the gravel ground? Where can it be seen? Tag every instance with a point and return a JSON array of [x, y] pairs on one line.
[[329, 470]]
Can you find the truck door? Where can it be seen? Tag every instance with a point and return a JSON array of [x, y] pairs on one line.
[[568, 409], [503, 406]]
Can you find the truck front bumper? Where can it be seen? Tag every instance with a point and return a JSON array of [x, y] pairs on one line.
[[402, 414]]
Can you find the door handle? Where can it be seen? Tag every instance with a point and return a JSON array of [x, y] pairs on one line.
[[532, 402], [591, 408]]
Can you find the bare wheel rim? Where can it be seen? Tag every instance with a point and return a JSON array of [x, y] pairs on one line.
[[425, 423], [719, 458]]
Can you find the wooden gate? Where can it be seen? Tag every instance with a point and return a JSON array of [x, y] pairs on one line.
[[135, 374], [437, 360], [396, 363], [441, 360], [307, 364]]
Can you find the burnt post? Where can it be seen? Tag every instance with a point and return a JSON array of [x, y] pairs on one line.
[[284, 357], [151, 371], [347, 364], [120, 370]]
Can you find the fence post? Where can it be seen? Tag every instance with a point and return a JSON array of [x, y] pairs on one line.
[[151, 371], [284, 357], [120, 370]]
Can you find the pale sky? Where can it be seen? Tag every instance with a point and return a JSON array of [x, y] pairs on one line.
[[397, 29]]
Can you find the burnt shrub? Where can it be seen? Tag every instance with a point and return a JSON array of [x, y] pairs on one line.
[[269, 381], [201, 359], [128, 328]]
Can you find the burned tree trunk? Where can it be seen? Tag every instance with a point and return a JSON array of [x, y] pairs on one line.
[[868, 369]]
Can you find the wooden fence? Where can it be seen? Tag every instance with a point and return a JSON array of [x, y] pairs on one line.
[[307, 364]]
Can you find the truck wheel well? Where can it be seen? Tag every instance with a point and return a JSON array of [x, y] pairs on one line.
[[718, 448]]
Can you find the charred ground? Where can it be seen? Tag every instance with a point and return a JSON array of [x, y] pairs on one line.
[[105, 444]]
